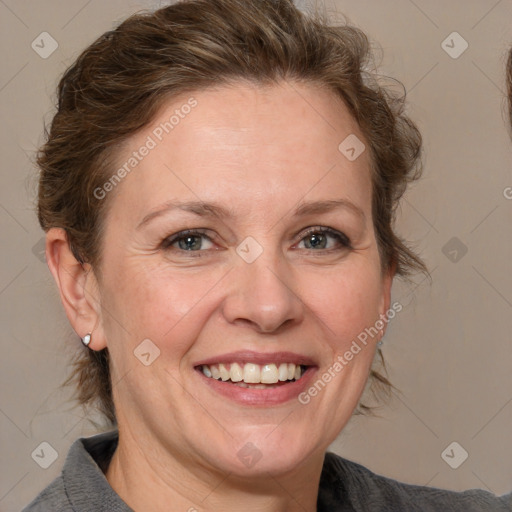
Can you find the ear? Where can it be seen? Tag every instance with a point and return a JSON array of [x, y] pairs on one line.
[[78, 288]]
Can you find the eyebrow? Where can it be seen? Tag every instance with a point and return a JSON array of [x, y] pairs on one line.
[[203, 209]]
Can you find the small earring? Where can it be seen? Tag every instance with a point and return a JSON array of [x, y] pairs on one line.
[[380, 342], [86, 339]]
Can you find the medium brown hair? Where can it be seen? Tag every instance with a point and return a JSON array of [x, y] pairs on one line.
[[117, 85]]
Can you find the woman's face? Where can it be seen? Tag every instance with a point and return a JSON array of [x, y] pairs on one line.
[[281, 269]]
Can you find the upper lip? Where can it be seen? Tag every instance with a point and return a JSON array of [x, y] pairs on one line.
[[249, 356]]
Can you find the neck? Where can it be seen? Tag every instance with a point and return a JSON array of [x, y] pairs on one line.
[[150, 479]]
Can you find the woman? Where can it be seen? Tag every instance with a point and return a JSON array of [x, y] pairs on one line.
[[218, 190]]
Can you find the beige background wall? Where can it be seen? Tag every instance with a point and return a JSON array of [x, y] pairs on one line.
[[449, 351]]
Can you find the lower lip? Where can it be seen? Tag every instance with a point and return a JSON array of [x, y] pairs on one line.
[[263, 397]]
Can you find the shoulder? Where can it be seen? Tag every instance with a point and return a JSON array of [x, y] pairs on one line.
[[367, 491], [82, 485], [52, 498]]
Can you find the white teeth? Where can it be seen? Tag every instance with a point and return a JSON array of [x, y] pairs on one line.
[[236, 373], [254, 374], [283, 372], [215, 372], [224, 374], [269, 374]]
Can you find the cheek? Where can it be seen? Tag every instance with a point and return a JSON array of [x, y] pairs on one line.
[[150, 302], [346, 304]]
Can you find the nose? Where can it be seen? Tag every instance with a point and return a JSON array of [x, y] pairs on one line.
[[262, 295]]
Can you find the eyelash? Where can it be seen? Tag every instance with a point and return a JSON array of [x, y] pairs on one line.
[[341, 238]]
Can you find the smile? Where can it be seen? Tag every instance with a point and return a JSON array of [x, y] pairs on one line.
[[251, 375], [252, 378]]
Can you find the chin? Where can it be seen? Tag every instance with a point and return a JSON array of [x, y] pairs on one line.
[[266, 451]]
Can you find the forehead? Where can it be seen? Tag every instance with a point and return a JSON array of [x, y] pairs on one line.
[[248, 145]]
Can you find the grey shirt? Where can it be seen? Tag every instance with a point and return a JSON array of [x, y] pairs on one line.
[[344, 487]]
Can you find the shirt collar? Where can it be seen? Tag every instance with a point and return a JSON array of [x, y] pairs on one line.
[[88, 489]]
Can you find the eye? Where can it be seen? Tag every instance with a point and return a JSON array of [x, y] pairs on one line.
[[315, 239], [189, 240], [324, 238]]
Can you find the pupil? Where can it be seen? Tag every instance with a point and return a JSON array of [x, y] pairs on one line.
[[316, 240], [189, 243]]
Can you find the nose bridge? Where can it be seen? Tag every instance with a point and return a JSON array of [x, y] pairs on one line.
[[262, 291]]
